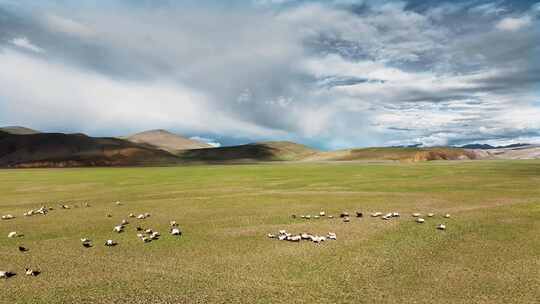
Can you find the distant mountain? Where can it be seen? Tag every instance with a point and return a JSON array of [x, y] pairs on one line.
[[18, 130], [263, 151], [477, 146], [69, 150], [167, 141], [487, 147], [411, 154]]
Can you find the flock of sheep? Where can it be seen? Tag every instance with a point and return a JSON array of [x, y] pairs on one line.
[[146, 235], [283, 235]]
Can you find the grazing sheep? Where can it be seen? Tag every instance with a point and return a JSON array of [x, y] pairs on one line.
[[305, 236], [85, 240], [131, 215], [86, 205], [30, 272], [332, 236], [141, 217], [316, 217], [23, 249], [294, 238], [441, 227], [176, 231], [7, 217], [420, 220], [63, 206], [282, 231], [148, 231], [346, 219], [271, 235], [118, 228], [416, 214], [359, 214], [447, 215], [118, 203], [302, 216], [282, 237], [87, 244], [318, 239], [146, 239], [330, 216], [155, 235], [430, 214], [13, 234], [110, 243], [6, 274], [344, 214], [376, 214], [147, 215], [387, 216], [322, 213], [124, 222], [395, 214], [308, 217], [173, 224]]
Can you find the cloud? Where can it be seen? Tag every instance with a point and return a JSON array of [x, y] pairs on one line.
[[212, 142], [67, 26], [514, 23], [24, 43], [333, 74]]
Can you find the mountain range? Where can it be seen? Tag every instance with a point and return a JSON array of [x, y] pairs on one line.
[[22, 147]]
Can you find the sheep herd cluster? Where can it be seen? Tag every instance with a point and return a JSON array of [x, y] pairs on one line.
[[144, 234]]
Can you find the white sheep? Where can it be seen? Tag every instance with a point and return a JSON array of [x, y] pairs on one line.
[[416, 214], [271, 235], [294, 238], [332, 236], [13, 234], [322, 213], [7, 217], [376, 214], [110, 243], [30, 272], [176, 231], [420, 220], [346, 219], [430, 214], [441, 227], [118, 228], [447, 215], [395, 214]]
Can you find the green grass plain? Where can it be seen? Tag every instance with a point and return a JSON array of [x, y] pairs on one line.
[[490, 252]]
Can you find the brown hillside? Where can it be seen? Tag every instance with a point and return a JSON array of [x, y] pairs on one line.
[[395, 154], [68, 150], [18, 130], [167, 141], [265, 151]]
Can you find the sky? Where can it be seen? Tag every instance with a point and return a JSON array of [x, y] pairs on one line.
[[331, 74]]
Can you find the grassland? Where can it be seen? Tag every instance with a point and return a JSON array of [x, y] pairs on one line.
[[490, 252]]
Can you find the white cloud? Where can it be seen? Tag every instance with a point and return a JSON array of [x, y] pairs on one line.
[[513, 23], [92, 101], [212, 142], [24, 43], [68, 26]]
